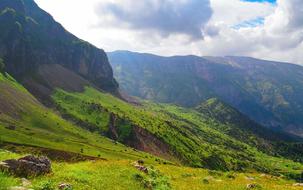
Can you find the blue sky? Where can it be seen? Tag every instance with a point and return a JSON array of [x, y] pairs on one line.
[[250, 23], [270, 1]]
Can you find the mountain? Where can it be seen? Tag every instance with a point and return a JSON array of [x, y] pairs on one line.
[[242, 128], [266, 91], [32, 42], [58, 98]]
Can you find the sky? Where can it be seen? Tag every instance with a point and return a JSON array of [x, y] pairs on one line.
[[266, 29]]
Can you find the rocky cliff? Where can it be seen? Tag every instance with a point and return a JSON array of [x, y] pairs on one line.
[[30, 38]]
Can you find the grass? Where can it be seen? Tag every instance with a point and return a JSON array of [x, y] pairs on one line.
[[193, 138], [35, 125], [122, 175]]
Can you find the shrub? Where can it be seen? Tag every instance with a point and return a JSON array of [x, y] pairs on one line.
[[153, 180], [46, 185], [205, 181]]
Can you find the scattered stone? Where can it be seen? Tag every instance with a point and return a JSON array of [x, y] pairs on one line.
[[27, 166], [249, 178], [141, 168], [298, 184], [64, 186], [18, 188], [26, 183], [253, 186], [209, 178]]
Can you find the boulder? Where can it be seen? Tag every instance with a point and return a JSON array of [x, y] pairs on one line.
[[64, 186], [253, 186], [141, 168], [27, 166]]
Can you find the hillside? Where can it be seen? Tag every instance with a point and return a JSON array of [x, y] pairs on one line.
[[163, 130], [174, 133], [32, 41], [58, 98], [100, 174], [26, 122], [268, 92]]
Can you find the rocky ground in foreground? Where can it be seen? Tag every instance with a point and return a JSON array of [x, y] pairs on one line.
[[126, 174]]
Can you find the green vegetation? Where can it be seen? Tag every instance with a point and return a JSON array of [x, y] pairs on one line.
[[268, 92], [121, 175], [96, 140], [24, 121], [193, 138]]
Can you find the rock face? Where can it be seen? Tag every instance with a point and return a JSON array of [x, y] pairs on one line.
[[27, 166], [30, 37]]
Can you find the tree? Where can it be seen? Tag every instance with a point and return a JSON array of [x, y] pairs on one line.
[[2, 65]]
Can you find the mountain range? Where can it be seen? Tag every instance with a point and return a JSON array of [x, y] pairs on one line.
[[268, 92], [59, 98]]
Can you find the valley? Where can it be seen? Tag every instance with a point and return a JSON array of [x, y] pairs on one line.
[[182, 122]]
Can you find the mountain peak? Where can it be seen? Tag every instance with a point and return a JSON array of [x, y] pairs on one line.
[[39, 40]]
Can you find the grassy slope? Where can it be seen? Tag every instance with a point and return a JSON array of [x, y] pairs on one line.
[[42, 127], [191, 138], [37, 126], [122, 175]]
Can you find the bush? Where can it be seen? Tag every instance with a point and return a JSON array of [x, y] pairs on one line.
[[46, 185], [205, 181], [153, 180]]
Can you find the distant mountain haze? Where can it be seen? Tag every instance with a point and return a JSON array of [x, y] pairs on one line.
[[268, 92]]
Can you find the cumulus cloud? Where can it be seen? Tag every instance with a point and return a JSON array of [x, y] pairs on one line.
[[215, 27], [164, 17], [278, 37]]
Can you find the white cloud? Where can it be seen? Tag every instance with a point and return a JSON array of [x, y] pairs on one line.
[[164, 17], [279, 38]]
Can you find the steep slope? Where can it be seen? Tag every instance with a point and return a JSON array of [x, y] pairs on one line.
[[268, 92], [225, 114], [30, 39], [171, 132], [26, 122], [239, 126]]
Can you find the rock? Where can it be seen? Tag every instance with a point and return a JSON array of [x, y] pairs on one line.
[[253, 186], [249, 178], [18, 188], [64, 186], [27, 166], [25, 182], [141, 168]]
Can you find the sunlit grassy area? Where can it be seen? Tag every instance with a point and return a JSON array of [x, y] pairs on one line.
[[26, 122], [121, 175], [194, 137]]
